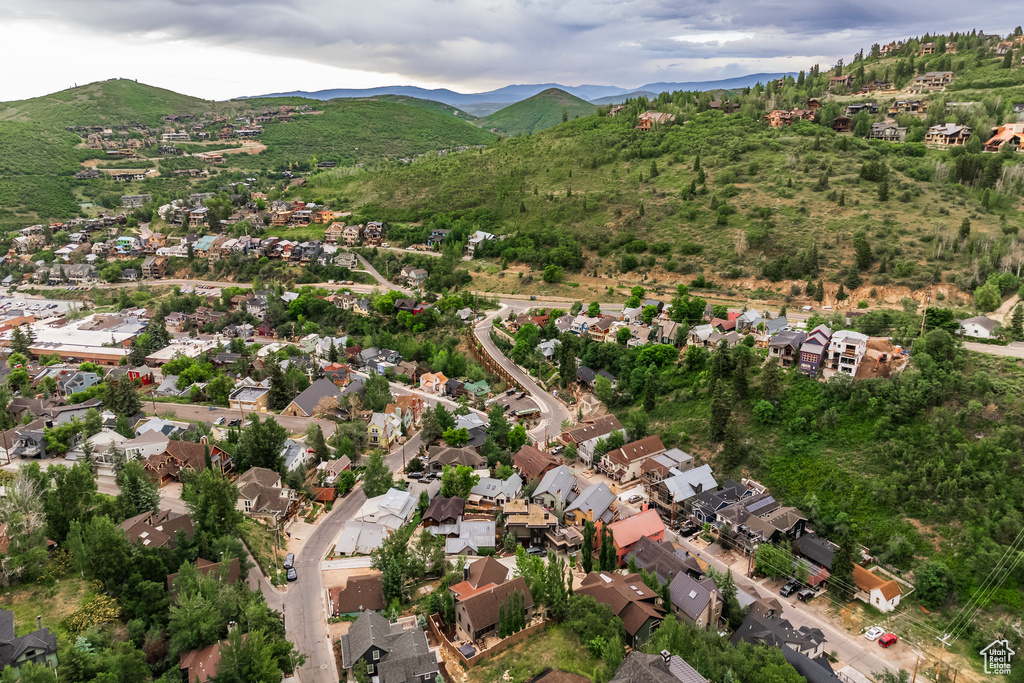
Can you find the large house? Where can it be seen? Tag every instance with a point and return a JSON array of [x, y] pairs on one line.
[[980, 327], [630, 599], [440, 457], [846, 349], [586, 435], [528, 521], [888, 131], [392, 653], [533, 463], [1008, 135], [319, 398], [650, 119], [674, 495], [476, 616], [595, 503], [947, 134], [933, 80], [785, 347], [813, 350], [696, 601], [157, 529], [557, 488], [626, 532], [391, 509], [624, 464], [664, 667], [261, 494]]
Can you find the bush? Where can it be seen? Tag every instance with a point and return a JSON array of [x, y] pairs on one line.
[[553, 273]]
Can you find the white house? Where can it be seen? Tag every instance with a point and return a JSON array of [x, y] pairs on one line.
[[882, 594], [845, 351], [979, 326], [390, 509]]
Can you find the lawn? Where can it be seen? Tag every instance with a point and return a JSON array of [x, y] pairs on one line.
[[555, 647], [52, 603], [262, 544]]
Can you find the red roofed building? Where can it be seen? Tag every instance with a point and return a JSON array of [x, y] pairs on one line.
[[626, 532], [626, 463]]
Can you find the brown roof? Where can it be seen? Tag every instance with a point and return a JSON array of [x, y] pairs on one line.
[[637, 450], [628, 596], [157, 529], [446, 455], [259, 475], [201, 664], [205, 567], [361, 593], [482, 608], [533, 462], [605, 424], [867, 582], [480, 574], [444, 509]]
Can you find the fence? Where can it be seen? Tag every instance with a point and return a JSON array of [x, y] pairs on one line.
[[490, 364], [468, 662]]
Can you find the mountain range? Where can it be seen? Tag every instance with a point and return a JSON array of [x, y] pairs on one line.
[[483, 103]]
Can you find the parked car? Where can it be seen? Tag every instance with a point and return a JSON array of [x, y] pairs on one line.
[[510, 392], [220, 420], [234, 423], [538, 552], [789, 589], [888, 639], [415, 475], [805, 595], [292, 575], [213, 408], [289, 560], [874, 633]]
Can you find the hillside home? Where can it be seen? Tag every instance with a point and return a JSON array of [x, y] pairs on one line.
[[585, 436], [557, 488], [697, 602], [845, 81], [630, 599], [39, 646], [665, 465], [626, 532], [261, 495], [476, 616], [785, 347], [624, 464], [882, 594], [933, 80], [674, 495], [980, 327], [1006, 135], [947, 134], [650, 119], [595, 503], [533, 463], [888, 131], [812, 351], [846, 349], [392, 653]]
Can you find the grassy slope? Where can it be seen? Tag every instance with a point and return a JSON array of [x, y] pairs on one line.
[[537, 113], [105, 102], [590, 158], [429, 105]]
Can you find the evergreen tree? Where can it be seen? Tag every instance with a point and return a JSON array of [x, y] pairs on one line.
[[732, 449], [862, 248], [841, 581], [332, 353], [650, 391], [1017, 323], [280, 395], [819, 294], [965, 228], [376, 476], [587, 551], [771, 381], [883, 190], [721, 409]]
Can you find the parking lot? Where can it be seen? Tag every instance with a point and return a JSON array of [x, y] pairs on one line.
[[41, 308], [519, 401]]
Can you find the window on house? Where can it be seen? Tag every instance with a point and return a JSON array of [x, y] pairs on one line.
[[369, 668], [376, 655]]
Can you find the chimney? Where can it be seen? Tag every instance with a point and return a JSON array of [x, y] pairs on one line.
[[665, 655], [39, 621]]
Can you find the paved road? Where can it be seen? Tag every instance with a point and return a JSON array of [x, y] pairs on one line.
[[199, 413], [381, 280], [1012, 350], [552, 411], [856, 651]]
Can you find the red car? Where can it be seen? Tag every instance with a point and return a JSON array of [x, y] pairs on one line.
[[888, 639]]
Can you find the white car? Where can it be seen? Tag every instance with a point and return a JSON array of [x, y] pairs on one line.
[[874, 633]]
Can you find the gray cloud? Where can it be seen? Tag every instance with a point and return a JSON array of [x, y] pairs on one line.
[[479, 42]]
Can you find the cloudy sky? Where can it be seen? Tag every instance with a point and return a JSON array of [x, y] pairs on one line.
[[223, 48]]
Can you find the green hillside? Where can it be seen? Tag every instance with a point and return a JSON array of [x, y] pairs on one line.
[[429, 105], [543, 110], [106, 102], [364, 131]]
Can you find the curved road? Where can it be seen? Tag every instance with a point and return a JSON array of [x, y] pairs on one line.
[[552, 411]]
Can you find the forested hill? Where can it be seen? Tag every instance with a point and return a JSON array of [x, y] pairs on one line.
[[536, 113]]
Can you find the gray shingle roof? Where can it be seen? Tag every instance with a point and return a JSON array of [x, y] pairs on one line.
[[307, 400]]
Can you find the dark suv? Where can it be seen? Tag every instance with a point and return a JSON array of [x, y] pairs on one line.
[[789, 588]]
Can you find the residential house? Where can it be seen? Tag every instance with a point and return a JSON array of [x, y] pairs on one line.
[[158, 529], [980, 327], [626, 532], [842, 124], [785, 347], [846, 349], [697, 602], [250, 398], [433, 382], [373, 233], [319, 398], [383, 430], [779, 118], [845, 81], [443, 515], [624, 464], [650, 119], [927, 48], [630, 599], [1008, 135], [414, 277], [476, 616], [933, 80], [882, 594], [700, 334], [154, 267], [708, 503], [177, 457], [476, 239], [888, 131], [529, 522], [230, 571], [947, 134], [664, 562], [533, 463], [38, 647], [493, 492], [674, 494], [359, 594], [557, 488], [391, 509], [332, 469], [479, 575], [747, 321], [157, 424], [760, 519], [855, 108], [360, 538], [665, 465], [595, 503], [665, 667], [764, 626], [1004, 47], [586, 434], [334, 233], [814, 349], [351, 234], [261, 494], [294, 456], [392, 653], [440, 457]]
